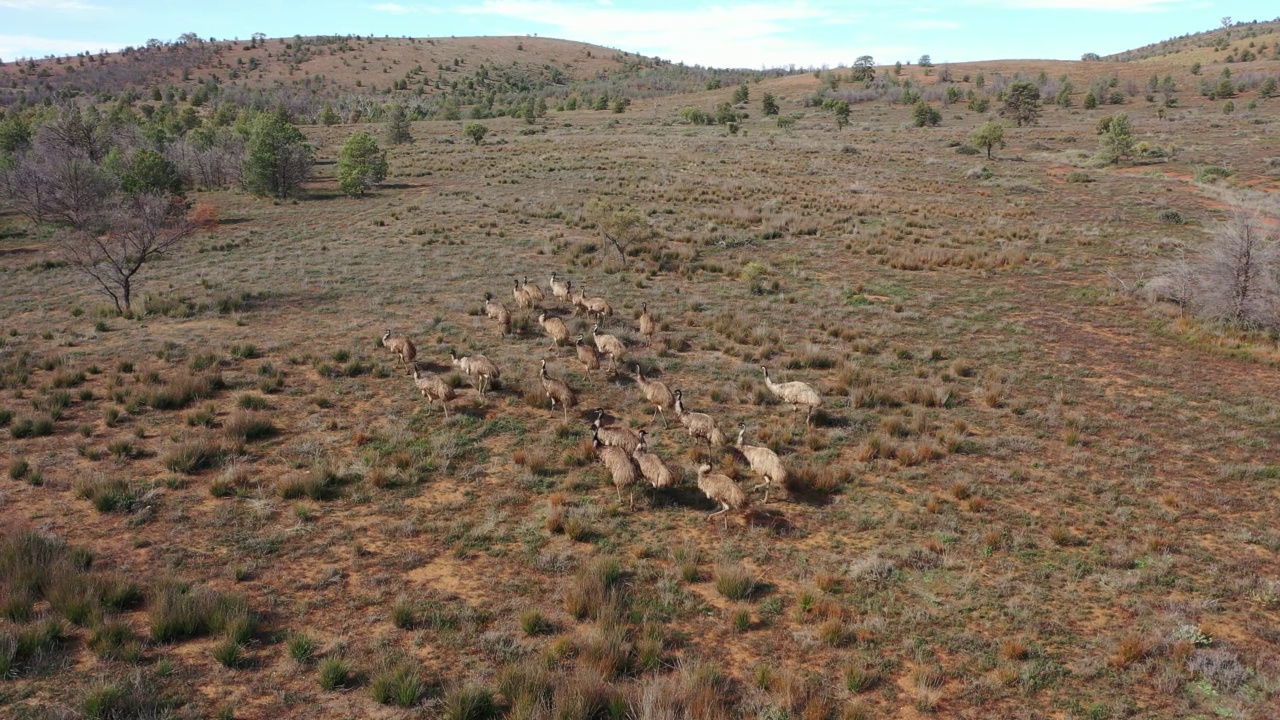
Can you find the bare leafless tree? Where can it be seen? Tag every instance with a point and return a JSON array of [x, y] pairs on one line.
[[1234, 278], [48, 184], [140, 229], [79, 132], [1238, 273]]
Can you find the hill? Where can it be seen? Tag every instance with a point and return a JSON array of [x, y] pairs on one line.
[[356, 74]]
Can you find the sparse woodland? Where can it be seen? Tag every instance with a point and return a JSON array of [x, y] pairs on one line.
[[294, 422]]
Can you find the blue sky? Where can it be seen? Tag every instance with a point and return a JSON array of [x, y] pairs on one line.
[[724, 33]]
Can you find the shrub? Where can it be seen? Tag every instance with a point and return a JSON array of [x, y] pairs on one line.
[[533, 622], [181, 391], [861, 677], [1210, 173], [324, 484], [248, 427], [334, 673], [735, 582], [302, 648], [110, 637], [229, 653], [30, 427], [193, 456], [19, 468], [1079, 176], [398, 684], [470, 702], [925, 115], [108, 494], [178, 612], [1170, 217], [593, 588]]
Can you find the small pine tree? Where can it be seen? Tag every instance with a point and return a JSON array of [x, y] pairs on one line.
[[361, 164], [278, 158], [741, 94], [1268, 89], [925, 114], [150, 172], [398, 126], [1063, 99], [842, 114], [1090, 101], [769, 104], [1022, 103], [329, 116], [1117, 139]]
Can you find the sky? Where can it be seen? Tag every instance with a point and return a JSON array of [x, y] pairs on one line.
[[720, 33]]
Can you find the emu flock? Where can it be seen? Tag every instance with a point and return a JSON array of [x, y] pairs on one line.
[[624, 453]]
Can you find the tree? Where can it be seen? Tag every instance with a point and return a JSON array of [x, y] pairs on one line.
[[278, 157], [1090, 101], [1235, 278], [769, 104], [842, 113], [398, 126], [329, 116], [1022, 103], [864, 69], [1063, 98], [361, 164], [925, 114], [475, 132], [621, 226], [150, 172], [15, 134], [1268, 89], [988, 135], [741, 93], [1090, 57], [925, 61], [1117, 139], [142, 228]]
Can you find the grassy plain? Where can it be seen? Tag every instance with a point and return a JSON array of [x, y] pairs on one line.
[[1030, 494]]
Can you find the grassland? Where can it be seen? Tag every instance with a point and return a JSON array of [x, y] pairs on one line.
[[1030, 494]]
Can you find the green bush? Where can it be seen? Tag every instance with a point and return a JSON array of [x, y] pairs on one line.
[[400, 684], [1209, 173], [31, 427], [925, 115], [334, 673], [470, 702], [248, 427], [302, 648], [178, 612], [229, 653], [193, 456], [735, 582]]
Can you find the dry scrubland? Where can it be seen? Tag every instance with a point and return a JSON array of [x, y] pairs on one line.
[[1030, 494]]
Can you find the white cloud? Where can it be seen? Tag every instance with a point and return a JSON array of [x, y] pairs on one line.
[[1106, 5], [747, 35], [930, 25], [59, 5], [30, 46]]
